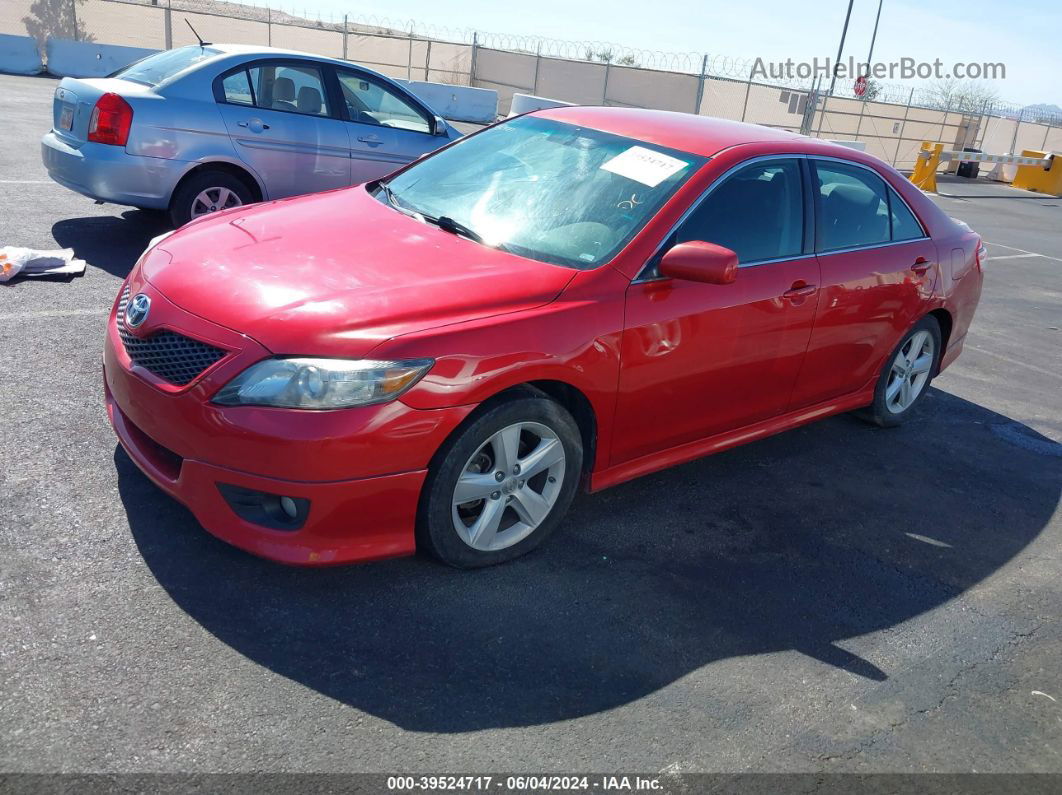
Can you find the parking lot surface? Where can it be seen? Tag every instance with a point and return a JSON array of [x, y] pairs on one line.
[[837, 598]]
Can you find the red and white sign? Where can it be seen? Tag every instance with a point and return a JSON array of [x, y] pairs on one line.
[[860, 85]]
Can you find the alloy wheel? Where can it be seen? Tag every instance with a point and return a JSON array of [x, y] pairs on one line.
[[509, 486], [910, 371], [212, 200]]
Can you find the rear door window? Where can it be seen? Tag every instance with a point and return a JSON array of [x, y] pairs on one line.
[[853, 207], [292, 88], [237, 89], [904, 225]]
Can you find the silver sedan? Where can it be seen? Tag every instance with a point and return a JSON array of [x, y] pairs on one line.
[[203, 128]]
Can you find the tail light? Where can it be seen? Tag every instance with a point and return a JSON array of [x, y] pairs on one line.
[[982, 255], [110, 121]]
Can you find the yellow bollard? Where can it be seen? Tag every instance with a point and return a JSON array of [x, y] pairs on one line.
[[924, 175], [1034, 178]]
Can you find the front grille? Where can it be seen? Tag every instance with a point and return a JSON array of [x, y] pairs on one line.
[[171, 356]]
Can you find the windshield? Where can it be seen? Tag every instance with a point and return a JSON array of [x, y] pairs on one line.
[[546, 190], [155, 68]]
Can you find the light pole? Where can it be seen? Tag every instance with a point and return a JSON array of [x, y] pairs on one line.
[[840, 47], [874, 36]]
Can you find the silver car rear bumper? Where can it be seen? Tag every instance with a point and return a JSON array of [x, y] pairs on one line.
[[109, 173]]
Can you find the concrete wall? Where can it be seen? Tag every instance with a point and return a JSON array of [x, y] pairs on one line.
[[88, 59], [458, 103], [19, 55]]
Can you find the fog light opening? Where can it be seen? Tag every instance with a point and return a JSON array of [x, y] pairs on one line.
[[274, 511]]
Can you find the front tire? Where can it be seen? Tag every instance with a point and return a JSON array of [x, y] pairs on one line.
[[906, 375], [501, 485]]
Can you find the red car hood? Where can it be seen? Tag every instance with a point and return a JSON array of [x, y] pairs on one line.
[[337, 273]]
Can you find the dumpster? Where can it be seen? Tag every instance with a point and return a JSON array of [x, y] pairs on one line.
[[968, 170]]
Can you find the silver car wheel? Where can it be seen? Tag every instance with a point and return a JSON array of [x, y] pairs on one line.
[[212, 200], [508, 487], [909, 373]]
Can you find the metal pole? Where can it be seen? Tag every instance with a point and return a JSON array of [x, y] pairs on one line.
[[472, 68], [862, 108], [840, 47], [822, 115], [73, 11], [874, 37], [409, 56], [748, 88], [345, 37], [1014, 140], [700, 85], [604, 88], [985, 124], [168, 23], [427, 62], [538, 63], [907, 110], [944, 121], [269, 26], [1046, 133]]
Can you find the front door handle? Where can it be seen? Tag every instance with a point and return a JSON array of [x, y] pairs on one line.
[[921, 266], [800, 290], [371, 140], [254, 125]]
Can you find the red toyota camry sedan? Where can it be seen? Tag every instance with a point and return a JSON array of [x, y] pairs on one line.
[[438, 360]]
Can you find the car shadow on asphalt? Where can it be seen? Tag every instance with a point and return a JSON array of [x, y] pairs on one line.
[[110, 243], [797, 542]]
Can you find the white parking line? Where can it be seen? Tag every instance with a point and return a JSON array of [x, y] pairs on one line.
[[1023, 251], [27, 182], [1015, 256]]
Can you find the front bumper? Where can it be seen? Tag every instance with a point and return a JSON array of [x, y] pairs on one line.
[[109, 173], [354, 520], [361, 469]]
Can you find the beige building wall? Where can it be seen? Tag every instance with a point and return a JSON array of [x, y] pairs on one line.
[[123, 23], [322, 42], [219, 29]]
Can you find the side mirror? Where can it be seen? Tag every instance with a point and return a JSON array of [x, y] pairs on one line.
[[438, 126], [697, 261]]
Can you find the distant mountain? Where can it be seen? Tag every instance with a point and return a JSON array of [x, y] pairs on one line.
[[1041, 110]]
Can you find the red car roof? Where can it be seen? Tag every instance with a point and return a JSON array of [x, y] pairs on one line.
[[700, 135]]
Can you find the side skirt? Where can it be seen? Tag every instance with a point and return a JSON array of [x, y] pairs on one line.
[[689, 451]]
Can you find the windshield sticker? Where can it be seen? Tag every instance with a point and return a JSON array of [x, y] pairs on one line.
[[644, 165]]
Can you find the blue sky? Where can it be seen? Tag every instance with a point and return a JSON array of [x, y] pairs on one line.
[[1023, 34]]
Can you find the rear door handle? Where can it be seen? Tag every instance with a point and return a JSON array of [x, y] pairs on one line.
[[254, 125], [371, 140], [921, 266]]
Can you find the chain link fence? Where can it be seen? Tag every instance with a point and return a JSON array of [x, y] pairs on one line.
[[892, 120]]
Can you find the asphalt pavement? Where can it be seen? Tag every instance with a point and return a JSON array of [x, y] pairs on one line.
[[836, 598]]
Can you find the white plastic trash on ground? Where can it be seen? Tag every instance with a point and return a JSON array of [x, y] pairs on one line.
[[33, 262]]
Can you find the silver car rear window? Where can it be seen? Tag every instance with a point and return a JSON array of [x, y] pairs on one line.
[[156, 68]]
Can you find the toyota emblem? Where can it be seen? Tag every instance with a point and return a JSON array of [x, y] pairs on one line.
[[137, 311]]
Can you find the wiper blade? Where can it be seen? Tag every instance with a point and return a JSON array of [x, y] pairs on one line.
[[393, 200], [444, 222], [448, 224]]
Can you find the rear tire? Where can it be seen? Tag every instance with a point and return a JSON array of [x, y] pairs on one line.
[[906, 375], [519, 465], [207, 192]]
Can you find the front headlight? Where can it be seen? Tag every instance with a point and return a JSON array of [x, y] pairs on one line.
[[304, 383]]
